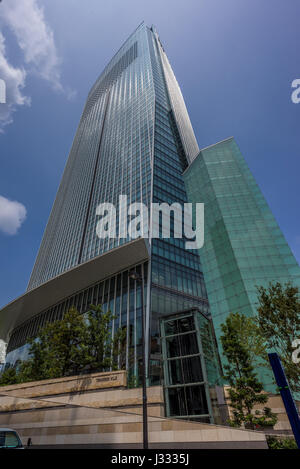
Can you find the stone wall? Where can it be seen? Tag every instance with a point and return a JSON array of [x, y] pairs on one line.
[[80, 426], [99, 390], [99, 411]]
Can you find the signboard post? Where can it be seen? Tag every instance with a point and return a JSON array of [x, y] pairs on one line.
[[286, 395]]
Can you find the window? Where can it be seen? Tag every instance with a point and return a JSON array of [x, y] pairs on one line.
[[9, 439], [185, 385]]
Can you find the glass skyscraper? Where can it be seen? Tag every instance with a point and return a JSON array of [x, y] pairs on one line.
[[244, 246], [134, 139], [125, 126]]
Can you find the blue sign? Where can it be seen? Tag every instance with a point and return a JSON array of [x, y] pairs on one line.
[[286, 395]]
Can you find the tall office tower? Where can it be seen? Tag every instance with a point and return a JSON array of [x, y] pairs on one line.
[[244, 246], [134, 139]]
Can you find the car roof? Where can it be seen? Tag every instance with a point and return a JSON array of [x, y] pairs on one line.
[[7, 430]]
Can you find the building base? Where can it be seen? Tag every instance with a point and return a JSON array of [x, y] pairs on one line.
[[98, 411]]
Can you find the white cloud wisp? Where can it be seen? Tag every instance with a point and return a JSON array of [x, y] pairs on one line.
[[15, 81], [26, 20], [12, 215]]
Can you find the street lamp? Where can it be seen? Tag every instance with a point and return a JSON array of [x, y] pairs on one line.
[[140, 279]]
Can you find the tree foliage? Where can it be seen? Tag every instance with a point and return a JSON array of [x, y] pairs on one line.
[[245, 389], [75, 344], [103, 351], [9, 376], [249, 334], [277, 442], [279, 324]]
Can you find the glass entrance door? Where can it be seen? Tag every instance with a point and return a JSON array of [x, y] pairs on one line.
[[186, 387]]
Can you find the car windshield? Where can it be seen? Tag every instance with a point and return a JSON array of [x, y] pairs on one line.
[[9, 439]]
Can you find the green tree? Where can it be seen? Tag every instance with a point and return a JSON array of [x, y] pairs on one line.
[[75, 344], [58, 350], [275, 442], [103, 351], [245, 389], [9, 376], [248, 332], [279, 324]]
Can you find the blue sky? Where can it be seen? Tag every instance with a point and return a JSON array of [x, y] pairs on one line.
[[235, 61]]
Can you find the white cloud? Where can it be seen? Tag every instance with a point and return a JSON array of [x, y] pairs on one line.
[[15, 81], [12, 215], [26, 20]]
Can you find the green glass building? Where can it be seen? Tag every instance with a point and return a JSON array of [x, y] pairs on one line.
[[243, 245]]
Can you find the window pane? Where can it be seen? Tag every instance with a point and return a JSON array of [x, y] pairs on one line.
[[196, 400], [170, 327], [177, 401], [188, 344], [175, 371], [173, 346], [186, 324], [8, 439], [192, 370]]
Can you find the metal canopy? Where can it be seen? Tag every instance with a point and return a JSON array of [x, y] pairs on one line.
[[78, 278]]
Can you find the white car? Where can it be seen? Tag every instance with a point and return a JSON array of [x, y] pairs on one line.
[[9, 439]]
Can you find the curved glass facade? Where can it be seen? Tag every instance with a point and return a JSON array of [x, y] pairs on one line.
[[135, 139], [111, 155], [244, 246]]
